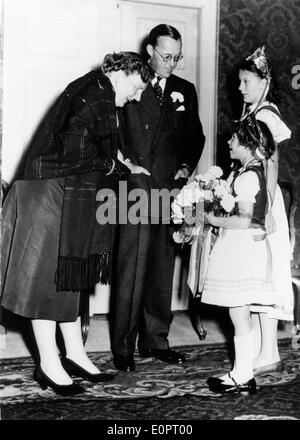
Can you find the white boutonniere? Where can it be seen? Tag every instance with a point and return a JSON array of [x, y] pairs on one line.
[[177, 96]]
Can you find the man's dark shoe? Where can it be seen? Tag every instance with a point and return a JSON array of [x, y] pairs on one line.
[[169, 356], [124, 363]]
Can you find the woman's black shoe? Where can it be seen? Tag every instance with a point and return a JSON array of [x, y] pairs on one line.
[[63, 390], [217, 385], [75, 370]]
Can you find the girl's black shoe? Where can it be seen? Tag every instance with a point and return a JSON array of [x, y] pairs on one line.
[[74, 369], [217, 385], [63, 390]]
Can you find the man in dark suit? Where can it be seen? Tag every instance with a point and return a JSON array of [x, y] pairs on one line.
[[163, 134]]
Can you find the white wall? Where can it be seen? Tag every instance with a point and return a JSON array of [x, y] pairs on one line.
[[47, 44]]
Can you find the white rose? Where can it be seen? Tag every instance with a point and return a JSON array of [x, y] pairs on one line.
[[207, 177], [177, 213], [176, 220], [217, 172], [189, 195], [183, 198], [178, 237], [177, 96], [208, 195]]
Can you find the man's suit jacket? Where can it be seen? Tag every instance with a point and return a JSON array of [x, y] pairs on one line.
[[162, 138]]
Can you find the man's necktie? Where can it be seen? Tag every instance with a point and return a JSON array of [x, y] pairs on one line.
[[158, 90]]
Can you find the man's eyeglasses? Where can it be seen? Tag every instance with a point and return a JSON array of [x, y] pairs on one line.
[[169, 58]]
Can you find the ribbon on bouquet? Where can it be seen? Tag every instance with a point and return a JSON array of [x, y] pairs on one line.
[[199, 258]]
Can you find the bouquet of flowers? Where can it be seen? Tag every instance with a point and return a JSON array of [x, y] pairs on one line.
[[206, 193]]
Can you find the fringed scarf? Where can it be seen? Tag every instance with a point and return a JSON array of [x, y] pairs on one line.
[[58, 149]]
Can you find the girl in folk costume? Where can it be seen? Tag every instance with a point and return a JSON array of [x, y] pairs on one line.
[[239, 272], [258, 91]]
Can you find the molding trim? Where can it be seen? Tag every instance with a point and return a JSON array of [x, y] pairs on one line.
[[197, 4], [208, 79]]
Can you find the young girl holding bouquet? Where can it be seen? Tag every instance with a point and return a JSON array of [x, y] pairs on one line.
[[239, 273]]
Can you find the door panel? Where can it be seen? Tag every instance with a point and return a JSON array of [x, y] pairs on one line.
[[137, 19]]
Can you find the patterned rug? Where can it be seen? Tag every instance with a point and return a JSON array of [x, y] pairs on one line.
[[155, 391]]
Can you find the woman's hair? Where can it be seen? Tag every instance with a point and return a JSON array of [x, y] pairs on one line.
[[273, 93], [163, 30], [255, 136], [128, 62]]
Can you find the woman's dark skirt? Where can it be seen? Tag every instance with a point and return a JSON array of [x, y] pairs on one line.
[[30, 243]]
